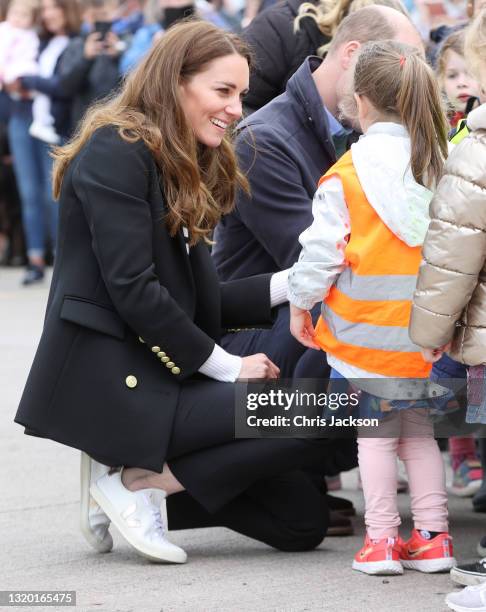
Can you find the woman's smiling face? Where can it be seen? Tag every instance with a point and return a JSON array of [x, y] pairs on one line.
[[212, 99]]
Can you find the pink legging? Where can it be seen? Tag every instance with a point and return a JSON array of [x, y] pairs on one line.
[[407, 434]]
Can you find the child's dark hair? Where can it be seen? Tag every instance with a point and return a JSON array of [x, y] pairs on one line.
[[398, 83]]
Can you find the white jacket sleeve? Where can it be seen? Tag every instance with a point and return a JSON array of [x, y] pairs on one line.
[[322, 257]]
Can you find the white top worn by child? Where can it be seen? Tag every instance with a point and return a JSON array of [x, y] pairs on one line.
[[19, 43], [360, 258]]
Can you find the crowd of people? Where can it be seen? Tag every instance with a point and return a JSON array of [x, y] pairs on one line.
[[57, 58], [361, 155]]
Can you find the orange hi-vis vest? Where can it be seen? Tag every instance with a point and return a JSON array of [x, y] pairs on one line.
[[364, 319]]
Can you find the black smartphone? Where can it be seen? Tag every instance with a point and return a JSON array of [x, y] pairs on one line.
[[102, 28]]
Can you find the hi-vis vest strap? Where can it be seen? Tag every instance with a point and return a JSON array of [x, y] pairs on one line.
[[460, 132], [364, 319]]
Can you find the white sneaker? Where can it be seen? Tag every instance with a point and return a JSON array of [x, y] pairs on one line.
[[136, 514], [470, 599], [93, 521]]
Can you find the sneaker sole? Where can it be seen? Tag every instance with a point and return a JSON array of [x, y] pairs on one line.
[[466, 578], [171, 556], [430, 566], [379, 568], [106, 544], [458, 608], [469, 491]]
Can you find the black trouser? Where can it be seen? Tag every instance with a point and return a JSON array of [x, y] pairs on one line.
[[287, 512], [254, 486]]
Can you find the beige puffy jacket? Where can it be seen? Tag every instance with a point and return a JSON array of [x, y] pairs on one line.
[[450, 299]]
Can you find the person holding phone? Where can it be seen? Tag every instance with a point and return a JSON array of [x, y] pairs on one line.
[[89, 70]]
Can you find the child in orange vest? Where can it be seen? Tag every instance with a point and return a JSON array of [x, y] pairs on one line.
[[360, 257]]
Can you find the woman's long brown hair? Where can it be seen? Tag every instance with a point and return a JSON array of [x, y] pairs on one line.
[[199, 182], [397, 81]]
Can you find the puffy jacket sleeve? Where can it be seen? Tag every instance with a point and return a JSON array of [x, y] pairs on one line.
[[454, 249], [114, 200]]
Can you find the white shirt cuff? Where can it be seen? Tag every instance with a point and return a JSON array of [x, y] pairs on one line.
[[221, 365], [278, 288]]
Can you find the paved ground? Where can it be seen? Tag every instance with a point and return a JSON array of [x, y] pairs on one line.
[[42, 548]]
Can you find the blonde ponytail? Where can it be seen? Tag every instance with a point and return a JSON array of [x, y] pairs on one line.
[[400, 85], [419, 105]]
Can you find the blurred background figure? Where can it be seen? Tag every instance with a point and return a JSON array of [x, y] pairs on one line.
[[11, 234], [39, 118], [89, 69], [19, 45], [130, 17], [19, 42], [161, 14]]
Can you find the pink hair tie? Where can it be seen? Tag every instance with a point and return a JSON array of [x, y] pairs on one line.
[[402, 60]]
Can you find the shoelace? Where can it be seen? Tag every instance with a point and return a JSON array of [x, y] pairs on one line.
[[158, 528], [158, 524]]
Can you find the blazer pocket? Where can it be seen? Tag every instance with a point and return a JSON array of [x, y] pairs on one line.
[[95, 316]]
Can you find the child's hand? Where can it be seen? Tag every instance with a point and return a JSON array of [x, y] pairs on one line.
[[301, 327], [433, 355]]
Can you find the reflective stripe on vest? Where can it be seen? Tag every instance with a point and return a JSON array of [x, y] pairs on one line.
[[376, 287], [364, 319]]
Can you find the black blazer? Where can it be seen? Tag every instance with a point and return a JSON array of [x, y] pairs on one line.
[[130, 315]]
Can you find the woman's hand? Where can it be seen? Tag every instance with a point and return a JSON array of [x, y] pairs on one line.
[[433, 355], [258, 366], [301, 327]]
